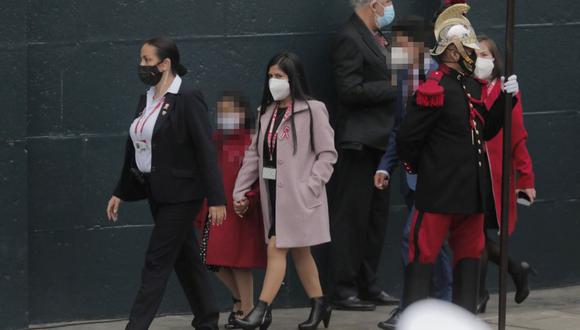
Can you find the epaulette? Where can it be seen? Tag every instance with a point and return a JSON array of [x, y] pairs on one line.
[[430, 93]]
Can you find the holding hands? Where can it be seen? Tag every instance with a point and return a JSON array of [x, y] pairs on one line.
[[241, 207]]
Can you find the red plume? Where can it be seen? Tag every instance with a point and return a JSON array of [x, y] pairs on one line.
[[453, 2]]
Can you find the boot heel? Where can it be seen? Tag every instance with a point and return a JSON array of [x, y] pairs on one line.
[[482, 308], [326, 320]]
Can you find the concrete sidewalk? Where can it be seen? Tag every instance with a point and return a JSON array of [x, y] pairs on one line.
[[553, 309]]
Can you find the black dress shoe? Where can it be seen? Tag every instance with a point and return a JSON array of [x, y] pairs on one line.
[[391, 322], [382, 299], [353, 304]]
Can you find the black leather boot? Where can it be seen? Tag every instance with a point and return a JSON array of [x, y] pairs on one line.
[[466, 283], [320, 312], [417, 287], [483, 296], [417, 283], [260, 317], [520, 274]]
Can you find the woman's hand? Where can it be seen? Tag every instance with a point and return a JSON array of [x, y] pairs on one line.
[[531, 192], [241, 207], [381, 180], [217, 214], [113, 208]]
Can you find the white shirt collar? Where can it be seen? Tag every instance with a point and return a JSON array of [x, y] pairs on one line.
[[173, 89]]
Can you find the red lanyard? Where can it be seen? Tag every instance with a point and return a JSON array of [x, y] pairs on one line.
[[273, 136], [147, 118]]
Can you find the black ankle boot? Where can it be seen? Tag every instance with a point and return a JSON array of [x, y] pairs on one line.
[[465, 284], [320, 312], [260, 317], [520, 278]]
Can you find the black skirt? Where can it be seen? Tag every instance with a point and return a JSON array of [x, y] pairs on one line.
[[272, 196]]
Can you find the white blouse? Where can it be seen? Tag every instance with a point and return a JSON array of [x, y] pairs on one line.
[[141, 130]]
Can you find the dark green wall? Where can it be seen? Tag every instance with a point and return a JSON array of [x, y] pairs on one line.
[[13, 166], [69, 89]]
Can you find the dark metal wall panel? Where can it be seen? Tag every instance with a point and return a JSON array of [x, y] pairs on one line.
[[75, 62], [13, 168]]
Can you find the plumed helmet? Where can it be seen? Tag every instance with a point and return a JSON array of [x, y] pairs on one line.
[[453, 27]]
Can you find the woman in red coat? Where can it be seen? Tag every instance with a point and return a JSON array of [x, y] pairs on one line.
[[236, 246], [489, 68]]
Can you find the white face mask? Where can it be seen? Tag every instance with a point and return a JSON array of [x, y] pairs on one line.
[[400, 56], [484, 68], [280, 88], [229, 121]]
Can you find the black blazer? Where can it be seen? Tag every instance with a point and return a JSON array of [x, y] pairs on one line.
[[367, 101], [436, 143], [184, 162]]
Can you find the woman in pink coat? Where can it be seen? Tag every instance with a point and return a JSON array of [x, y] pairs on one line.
[[292, 156]]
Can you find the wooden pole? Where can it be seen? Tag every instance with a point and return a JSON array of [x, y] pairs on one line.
[[506, 192]]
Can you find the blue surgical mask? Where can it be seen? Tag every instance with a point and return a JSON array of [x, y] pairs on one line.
[[387, 18]]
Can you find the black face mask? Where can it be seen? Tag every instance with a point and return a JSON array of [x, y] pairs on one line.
[[468, 68], [149, 74]]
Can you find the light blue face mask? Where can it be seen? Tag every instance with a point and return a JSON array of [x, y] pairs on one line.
[[387, 18]]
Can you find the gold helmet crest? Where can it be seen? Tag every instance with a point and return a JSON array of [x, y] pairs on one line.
[[453, 27]]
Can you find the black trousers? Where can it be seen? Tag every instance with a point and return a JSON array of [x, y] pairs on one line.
[[173, 246], [358, 219]]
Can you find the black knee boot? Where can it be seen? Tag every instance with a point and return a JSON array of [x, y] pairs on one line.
[[320, 312], [417, 283], [417, 287], [519, 271], [260, 317], [483, 296], [465, 284]]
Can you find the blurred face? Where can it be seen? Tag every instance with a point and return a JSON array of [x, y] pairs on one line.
[[405, 51], [231, 117]]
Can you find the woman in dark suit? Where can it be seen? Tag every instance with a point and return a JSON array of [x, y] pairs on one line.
[[170, 160]]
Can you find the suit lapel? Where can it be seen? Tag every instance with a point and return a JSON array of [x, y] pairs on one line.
[[165, 111], [367, 36]]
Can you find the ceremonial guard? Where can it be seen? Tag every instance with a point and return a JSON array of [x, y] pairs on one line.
[[442, 140]]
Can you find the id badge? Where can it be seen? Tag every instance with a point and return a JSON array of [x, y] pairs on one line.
[[269, 173]]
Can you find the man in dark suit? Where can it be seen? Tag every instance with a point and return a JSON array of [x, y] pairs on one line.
[[366, 116]]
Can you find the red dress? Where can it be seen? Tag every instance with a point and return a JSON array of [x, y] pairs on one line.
[[522, 171], [237, 243]]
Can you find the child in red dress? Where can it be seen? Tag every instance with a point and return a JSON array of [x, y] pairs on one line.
[[235, 247]]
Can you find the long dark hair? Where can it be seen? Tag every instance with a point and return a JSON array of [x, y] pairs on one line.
[[167, 48], [292, 66], [497, 55]]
